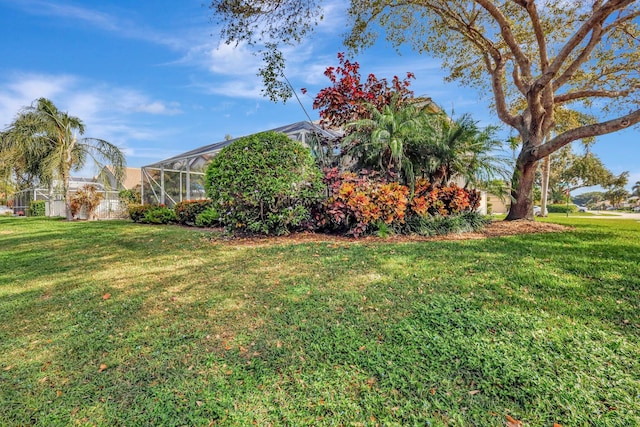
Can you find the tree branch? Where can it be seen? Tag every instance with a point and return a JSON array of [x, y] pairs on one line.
[[505, 29], [585, 132], [518, 81], [619, 21], [596, 36], [532, 10], [581, 94], [597, 18], [498, 92]]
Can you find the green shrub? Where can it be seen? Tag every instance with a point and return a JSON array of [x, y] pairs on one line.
[[187, 211], [37, 208], [130, 196], [137, 212], [264, 183], [562, 208], [208, 218], [159, 215]]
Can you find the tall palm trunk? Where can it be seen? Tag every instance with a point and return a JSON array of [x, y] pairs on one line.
[[546, 171], [65, 169]]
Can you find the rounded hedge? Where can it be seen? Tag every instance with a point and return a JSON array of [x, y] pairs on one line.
[[562, 208], [264, 183]]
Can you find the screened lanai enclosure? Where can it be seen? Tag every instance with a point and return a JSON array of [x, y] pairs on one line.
[[181, 177]]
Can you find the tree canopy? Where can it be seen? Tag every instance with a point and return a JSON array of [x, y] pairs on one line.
[[533, 56], [572, 171], [590, 198]]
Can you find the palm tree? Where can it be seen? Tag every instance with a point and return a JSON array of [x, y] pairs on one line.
[[461, 149], [636, 189], [405, 141], [44, 135], [382, 142]]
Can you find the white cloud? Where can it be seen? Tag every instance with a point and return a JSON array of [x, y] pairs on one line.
[[157, 107], [23, 89], [248, 89], [97, 19], [253, 110], [83, 104], [334, 17], [57, 9], [153, 152], [232, 60]]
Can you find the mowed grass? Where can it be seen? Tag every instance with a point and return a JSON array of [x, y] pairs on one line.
[[116, 324]]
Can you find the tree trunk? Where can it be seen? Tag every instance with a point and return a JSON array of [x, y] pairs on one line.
[[65, 195], [522, 191], [546, 170], [67, 202]]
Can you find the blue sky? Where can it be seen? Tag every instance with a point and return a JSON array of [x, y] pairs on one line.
[[150, 77]]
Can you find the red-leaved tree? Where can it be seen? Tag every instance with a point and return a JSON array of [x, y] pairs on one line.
[[348, 97]]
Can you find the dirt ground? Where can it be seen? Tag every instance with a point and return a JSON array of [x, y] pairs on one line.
[[494, 229]]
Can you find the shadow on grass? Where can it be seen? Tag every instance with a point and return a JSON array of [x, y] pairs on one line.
[[192, 333]]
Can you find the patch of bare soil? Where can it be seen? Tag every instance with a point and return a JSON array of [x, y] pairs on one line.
[[494, 229]]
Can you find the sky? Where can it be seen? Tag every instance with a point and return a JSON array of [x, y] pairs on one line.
[[153, 78]]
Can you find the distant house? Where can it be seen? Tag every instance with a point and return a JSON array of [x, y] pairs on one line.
[[496, 204], [132, 179]]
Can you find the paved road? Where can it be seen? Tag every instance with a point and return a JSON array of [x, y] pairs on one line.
[[616, 215]]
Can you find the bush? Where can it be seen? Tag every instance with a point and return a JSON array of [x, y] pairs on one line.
[[159, 215], [360, 203], [87, 198], [37, 208], [562, 208], [264, 183], [187, 211], [208, 218], [137, 212], [429, 200]]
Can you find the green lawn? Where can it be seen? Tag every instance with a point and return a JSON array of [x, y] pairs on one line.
[[116, 324]]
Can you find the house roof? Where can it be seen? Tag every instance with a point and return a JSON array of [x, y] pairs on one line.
[[132, 177]]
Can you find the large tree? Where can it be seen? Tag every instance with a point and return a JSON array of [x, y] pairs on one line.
[[540, 54], [43, 135], [590, 199]]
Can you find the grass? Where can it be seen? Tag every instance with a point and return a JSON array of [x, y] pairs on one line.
[[116, 324]]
